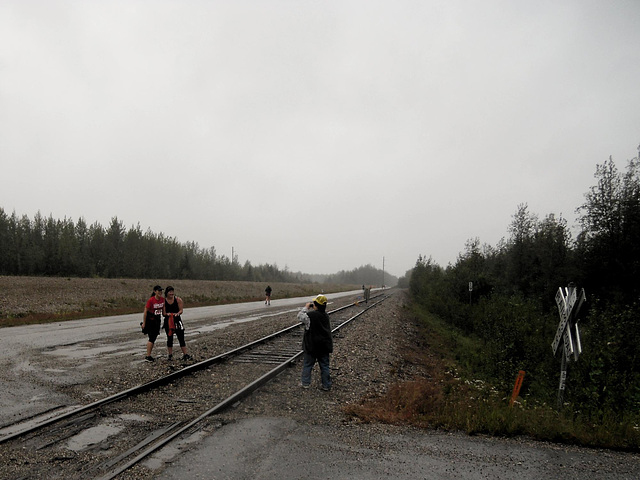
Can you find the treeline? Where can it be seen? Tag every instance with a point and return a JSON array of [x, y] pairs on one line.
[[53, 247], [511, 308], [364, 275]]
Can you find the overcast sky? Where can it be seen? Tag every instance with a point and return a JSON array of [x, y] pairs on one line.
[[316, 135]]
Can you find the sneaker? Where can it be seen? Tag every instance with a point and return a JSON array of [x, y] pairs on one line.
[[186, 356], [303, 385], [150, 359], [170, 357], [324, 389]]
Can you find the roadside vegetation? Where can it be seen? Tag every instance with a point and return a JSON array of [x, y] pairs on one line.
[[475, 343]]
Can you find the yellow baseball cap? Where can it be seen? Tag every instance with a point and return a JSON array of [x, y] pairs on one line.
[[320, 300]]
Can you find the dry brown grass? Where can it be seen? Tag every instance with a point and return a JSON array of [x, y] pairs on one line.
[[27, 300], [423, 380]]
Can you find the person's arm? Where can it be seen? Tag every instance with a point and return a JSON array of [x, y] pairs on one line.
[[144, 317], [303, 317], [180, 305]]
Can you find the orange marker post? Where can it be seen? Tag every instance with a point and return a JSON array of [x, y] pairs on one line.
[[516, 387]]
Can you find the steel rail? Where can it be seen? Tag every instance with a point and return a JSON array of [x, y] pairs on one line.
[[231, 400]]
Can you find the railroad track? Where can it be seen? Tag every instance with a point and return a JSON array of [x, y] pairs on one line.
[[233, 375]]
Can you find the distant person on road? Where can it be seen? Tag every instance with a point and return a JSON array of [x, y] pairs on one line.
[[267, 292], [317, 342], [174, 306], [151, 319]]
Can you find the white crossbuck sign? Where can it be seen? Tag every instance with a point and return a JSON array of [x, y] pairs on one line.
[[569, 304]]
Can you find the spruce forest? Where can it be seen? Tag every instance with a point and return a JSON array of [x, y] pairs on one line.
[[508, 321], [45, 246]]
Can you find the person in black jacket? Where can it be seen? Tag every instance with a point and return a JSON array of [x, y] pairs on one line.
[[267, 292], [317, 342], [174, 305]]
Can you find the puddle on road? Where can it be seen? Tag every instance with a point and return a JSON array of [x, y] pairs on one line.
[[227, 323], [233, 321], [92, 436], [95, 435], [170, 452], [77, 351]]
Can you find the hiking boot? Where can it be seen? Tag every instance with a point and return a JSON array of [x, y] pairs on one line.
[[186, 356], [150, 359], [324, 389], [304, 385], [169, 357]]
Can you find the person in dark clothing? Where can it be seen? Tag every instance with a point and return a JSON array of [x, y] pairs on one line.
[[174, 305], [267, 292], [317, 342]]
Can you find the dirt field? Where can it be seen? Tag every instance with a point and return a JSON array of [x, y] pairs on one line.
[[40, 299]]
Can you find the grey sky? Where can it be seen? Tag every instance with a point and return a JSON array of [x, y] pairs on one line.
[[398, 128]]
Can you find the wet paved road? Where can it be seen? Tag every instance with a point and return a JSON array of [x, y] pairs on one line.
[[52, 335], [281, 449]]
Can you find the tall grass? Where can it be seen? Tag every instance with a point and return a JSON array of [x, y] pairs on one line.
[[450, 398]]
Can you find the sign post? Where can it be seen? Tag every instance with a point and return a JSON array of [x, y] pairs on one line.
[[568, 335]]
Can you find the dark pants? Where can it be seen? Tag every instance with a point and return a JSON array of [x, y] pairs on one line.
[[307, 365], [180, 335], [152, 329]]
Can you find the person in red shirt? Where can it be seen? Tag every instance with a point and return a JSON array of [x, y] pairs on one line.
[[151, 319]]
